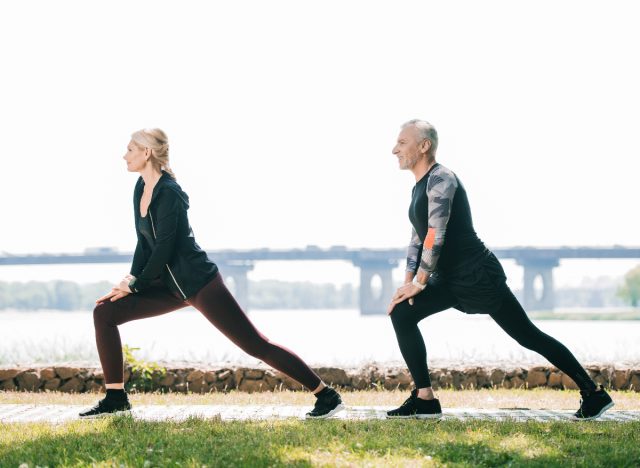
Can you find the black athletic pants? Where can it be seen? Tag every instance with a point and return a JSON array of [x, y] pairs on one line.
[[217, 304], [510, 316]]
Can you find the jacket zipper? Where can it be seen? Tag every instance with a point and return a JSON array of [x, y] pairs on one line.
[[184, 296]]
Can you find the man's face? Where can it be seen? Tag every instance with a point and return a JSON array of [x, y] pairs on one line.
[[409, 149]]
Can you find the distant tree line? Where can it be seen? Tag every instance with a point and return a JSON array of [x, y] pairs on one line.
[[630, 290], [269, 294], [61, 295], [273, 294]]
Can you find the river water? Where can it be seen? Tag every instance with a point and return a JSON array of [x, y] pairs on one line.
[[330, 337]]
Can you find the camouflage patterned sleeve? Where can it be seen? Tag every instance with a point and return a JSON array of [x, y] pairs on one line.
[[413, 252], [441, 187]]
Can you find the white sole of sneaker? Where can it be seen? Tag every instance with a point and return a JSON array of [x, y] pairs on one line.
[[428, 416], [335, 410], [610, 405], [105, 415], [417, 416]]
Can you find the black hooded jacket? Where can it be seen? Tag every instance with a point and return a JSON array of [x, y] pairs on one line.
[[169, 251]]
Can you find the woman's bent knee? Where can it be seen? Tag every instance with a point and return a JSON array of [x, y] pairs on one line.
[[103, 315]]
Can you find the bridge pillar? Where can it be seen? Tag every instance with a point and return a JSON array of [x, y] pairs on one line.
[[238, 273], [542, 267], [370, 303]]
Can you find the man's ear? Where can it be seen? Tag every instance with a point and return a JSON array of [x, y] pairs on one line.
[[425, 146]]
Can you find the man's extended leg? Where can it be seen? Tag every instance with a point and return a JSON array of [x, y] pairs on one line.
[[513, 319]]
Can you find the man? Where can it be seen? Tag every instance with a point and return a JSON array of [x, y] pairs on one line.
[[449, 266]]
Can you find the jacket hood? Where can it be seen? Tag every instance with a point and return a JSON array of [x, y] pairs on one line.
[[166, 182]]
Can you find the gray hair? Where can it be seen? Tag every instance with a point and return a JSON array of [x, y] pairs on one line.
[[426, 131]]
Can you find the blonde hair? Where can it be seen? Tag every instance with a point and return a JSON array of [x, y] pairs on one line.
[[158, 142]]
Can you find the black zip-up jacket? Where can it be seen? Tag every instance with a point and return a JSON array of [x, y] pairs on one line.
[[170, 253]]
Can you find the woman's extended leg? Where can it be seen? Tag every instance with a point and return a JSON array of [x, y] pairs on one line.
[[217, 304]]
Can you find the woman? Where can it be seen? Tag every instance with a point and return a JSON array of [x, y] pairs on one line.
[[170, 271]]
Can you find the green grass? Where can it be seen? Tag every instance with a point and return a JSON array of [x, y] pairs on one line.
[[123, 441]]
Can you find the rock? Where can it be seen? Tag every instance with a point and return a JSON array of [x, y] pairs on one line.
[[359, 380], [272, 380], [497, 377], [195, 375], [67, 372], [253, 374], [397, 379], [180, 388], [483, 378], [568, 383], [73, 385], [446, 379], [469, 379], [620, 380], [198, 386], [517, 382], [459, 379], [28, 381], [225, 374], [238, 375], [210, 377], [634, 382], [7, 374], [168, 380], [48, 373], [288, 383], [603, 377], [593, 371], [377, 375], [333, 376], [536, 378], [218, 386], [251, 386], [93, 387], [8, 385], [434, 376], [98, 374], [555, 380], [52, 384]]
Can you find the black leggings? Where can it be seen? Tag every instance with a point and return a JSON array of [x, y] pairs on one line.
[[217, 304], [511, 317]]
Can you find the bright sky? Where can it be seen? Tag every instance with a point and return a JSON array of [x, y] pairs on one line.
[[282, 115]]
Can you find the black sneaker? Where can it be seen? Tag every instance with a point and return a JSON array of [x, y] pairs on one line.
[[328, 403], [417, 408], [593, 404], [107, 406]]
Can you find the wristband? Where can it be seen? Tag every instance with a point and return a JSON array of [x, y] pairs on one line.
[[419, 285]]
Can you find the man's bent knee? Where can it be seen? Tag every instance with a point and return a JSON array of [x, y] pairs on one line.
[[403, 314]]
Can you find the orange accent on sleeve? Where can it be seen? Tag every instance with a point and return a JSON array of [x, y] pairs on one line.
[[431, 238]]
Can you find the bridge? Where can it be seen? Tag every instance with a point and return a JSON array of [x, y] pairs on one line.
[[373, 263]]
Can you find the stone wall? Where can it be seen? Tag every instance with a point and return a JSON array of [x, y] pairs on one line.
[[202, 380]]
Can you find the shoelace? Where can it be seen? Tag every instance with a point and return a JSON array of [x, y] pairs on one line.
[[408, 401]]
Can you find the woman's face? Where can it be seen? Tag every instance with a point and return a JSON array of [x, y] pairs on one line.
[[136, 157]]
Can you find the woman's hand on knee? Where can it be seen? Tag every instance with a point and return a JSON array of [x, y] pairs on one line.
[[112, 296]]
